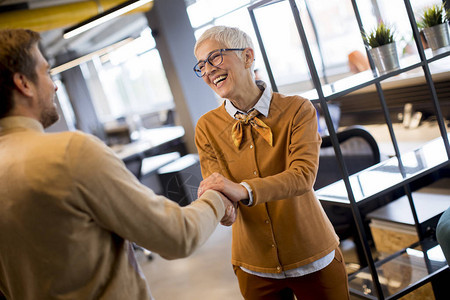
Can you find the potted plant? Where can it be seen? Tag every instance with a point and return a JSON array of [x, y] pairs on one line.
[[447, 12], [382, 48], [434, 25]]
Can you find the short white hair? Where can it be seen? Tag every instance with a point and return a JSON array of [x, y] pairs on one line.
[[229, 37]]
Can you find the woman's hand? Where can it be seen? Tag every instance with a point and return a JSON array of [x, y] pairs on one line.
[[230, 211], [233, 191]]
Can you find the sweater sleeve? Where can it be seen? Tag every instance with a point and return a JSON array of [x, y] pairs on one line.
[[208, 159], [116, 201], [302, 158]]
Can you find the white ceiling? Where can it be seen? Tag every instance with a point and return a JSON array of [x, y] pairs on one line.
[[97, 38]]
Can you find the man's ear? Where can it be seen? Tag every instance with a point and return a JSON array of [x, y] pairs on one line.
[[23, 84]]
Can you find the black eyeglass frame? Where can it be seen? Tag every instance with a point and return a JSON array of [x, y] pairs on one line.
[[198, 72]]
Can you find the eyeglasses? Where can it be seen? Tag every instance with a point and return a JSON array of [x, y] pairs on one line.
[[215, 58]]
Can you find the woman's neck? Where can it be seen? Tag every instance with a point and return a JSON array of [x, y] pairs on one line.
[[248, 99]]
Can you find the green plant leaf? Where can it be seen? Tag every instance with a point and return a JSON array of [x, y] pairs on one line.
[[432, 16], [381, 35]]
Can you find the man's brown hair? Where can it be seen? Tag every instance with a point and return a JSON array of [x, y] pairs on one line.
[[15, 57]]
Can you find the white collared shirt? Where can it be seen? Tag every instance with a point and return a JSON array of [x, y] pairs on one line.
[[262, 105]]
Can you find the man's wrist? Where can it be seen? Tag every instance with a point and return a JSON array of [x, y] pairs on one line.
[[249, 201]]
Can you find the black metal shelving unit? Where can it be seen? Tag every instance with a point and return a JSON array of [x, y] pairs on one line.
[[354, 190]]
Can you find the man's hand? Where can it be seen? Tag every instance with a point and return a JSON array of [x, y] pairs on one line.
[[230, 212], [233, 191]]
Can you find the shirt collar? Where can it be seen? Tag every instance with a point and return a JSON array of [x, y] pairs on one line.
[[262, 105], [20, 122]]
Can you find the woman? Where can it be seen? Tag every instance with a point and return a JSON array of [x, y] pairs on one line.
[[261, 150]]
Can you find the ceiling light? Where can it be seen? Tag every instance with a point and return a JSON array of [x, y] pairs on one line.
[[104, 17], [87, 57]]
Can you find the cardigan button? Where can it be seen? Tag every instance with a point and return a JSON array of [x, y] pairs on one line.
[[273, 245], [254, 172], [278, 268], [266, 221], [251, 146]]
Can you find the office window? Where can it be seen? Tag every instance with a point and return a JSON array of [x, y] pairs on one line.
[[129, 81], [66, 106], [330, 25], [394, 12]]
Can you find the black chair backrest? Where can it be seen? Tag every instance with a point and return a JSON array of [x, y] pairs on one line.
[[359, 150], [134, 165]]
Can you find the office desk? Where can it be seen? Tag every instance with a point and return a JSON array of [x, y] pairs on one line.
[[151, 142], [375, 181]]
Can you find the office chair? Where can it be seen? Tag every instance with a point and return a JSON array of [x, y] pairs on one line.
[[443, 234], [134, 164], [360, 151]]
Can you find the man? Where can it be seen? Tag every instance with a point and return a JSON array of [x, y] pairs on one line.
[[69, 207], [443, 234]]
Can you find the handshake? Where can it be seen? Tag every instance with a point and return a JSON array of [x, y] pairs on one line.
[[230, 192]]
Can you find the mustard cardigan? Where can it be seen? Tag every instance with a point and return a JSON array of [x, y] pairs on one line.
[[286, 227]]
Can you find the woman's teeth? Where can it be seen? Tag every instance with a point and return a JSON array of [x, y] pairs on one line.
[[219, 79]]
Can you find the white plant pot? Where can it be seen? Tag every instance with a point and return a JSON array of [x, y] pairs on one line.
[[437, 36], [385, 58]]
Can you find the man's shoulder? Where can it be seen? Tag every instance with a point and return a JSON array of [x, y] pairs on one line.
[[81, 150], [70, 136], [72, 140]]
